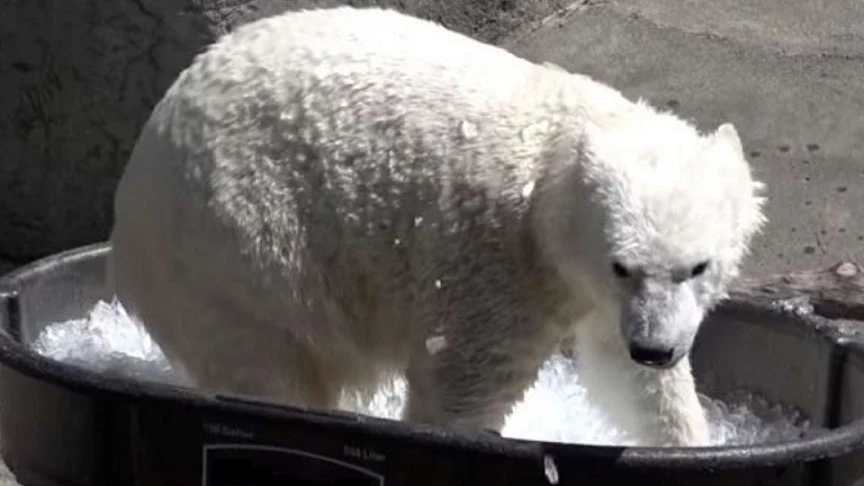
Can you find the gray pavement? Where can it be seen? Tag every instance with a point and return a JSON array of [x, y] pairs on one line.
[[788, 73]]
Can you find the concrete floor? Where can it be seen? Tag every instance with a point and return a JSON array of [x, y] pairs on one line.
[[788, 73]]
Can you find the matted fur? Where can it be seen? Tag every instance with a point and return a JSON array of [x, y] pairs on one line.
[[325, 197]]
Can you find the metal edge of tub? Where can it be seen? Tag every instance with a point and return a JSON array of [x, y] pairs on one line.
[[27, 363]]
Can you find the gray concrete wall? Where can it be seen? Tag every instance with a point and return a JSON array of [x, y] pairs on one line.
[[78, 78]]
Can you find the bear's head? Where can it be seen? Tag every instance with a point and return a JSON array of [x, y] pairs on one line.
[[655, 223]]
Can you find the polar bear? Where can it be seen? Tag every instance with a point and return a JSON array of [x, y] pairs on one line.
[[327, 197]]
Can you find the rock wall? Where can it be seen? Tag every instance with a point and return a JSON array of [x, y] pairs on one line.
[[78, 78]]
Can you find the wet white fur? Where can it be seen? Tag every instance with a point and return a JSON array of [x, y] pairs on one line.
[[326, 197]]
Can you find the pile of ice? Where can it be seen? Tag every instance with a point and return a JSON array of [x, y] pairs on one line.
[[556, 408]]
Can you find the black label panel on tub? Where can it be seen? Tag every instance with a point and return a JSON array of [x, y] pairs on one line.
[[177, 445], [215, 446], [262, 465]]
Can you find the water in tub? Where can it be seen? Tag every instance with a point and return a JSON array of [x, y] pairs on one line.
[[556, 408]]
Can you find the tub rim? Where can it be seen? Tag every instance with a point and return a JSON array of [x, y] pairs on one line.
[[836, 442]]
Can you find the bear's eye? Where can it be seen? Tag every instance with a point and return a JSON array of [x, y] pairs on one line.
[[699, 269], [620, 270]]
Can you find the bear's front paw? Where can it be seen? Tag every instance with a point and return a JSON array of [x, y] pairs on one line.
[[691, 431]]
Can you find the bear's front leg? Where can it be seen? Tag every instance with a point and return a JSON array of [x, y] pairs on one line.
[[472, 382], [670, 396], [655, 407]]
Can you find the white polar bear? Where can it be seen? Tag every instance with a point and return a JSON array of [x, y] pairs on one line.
[[325, 197]]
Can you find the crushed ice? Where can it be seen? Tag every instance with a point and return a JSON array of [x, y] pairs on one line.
[[107, 341], [556, 408]]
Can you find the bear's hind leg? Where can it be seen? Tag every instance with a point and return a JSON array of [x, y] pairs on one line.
[[222, 347], [274, 367], [472, 382]]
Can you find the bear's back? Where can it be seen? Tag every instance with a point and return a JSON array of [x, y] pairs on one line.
[[361, 154]]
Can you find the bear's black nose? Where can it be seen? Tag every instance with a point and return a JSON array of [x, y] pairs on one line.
[[657, 356]]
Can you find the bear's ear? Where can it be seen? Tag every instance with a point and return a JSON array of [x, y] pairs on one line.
[[589, 141], [592, 135], [727, 134], [552, 65]]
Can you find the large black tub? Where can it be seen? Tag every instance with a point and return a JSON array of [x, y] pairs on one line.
[[63, 425]]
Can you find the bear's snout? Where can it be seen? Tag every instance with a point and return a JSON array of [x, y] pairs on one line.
[[659, 322], [656, 356]]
